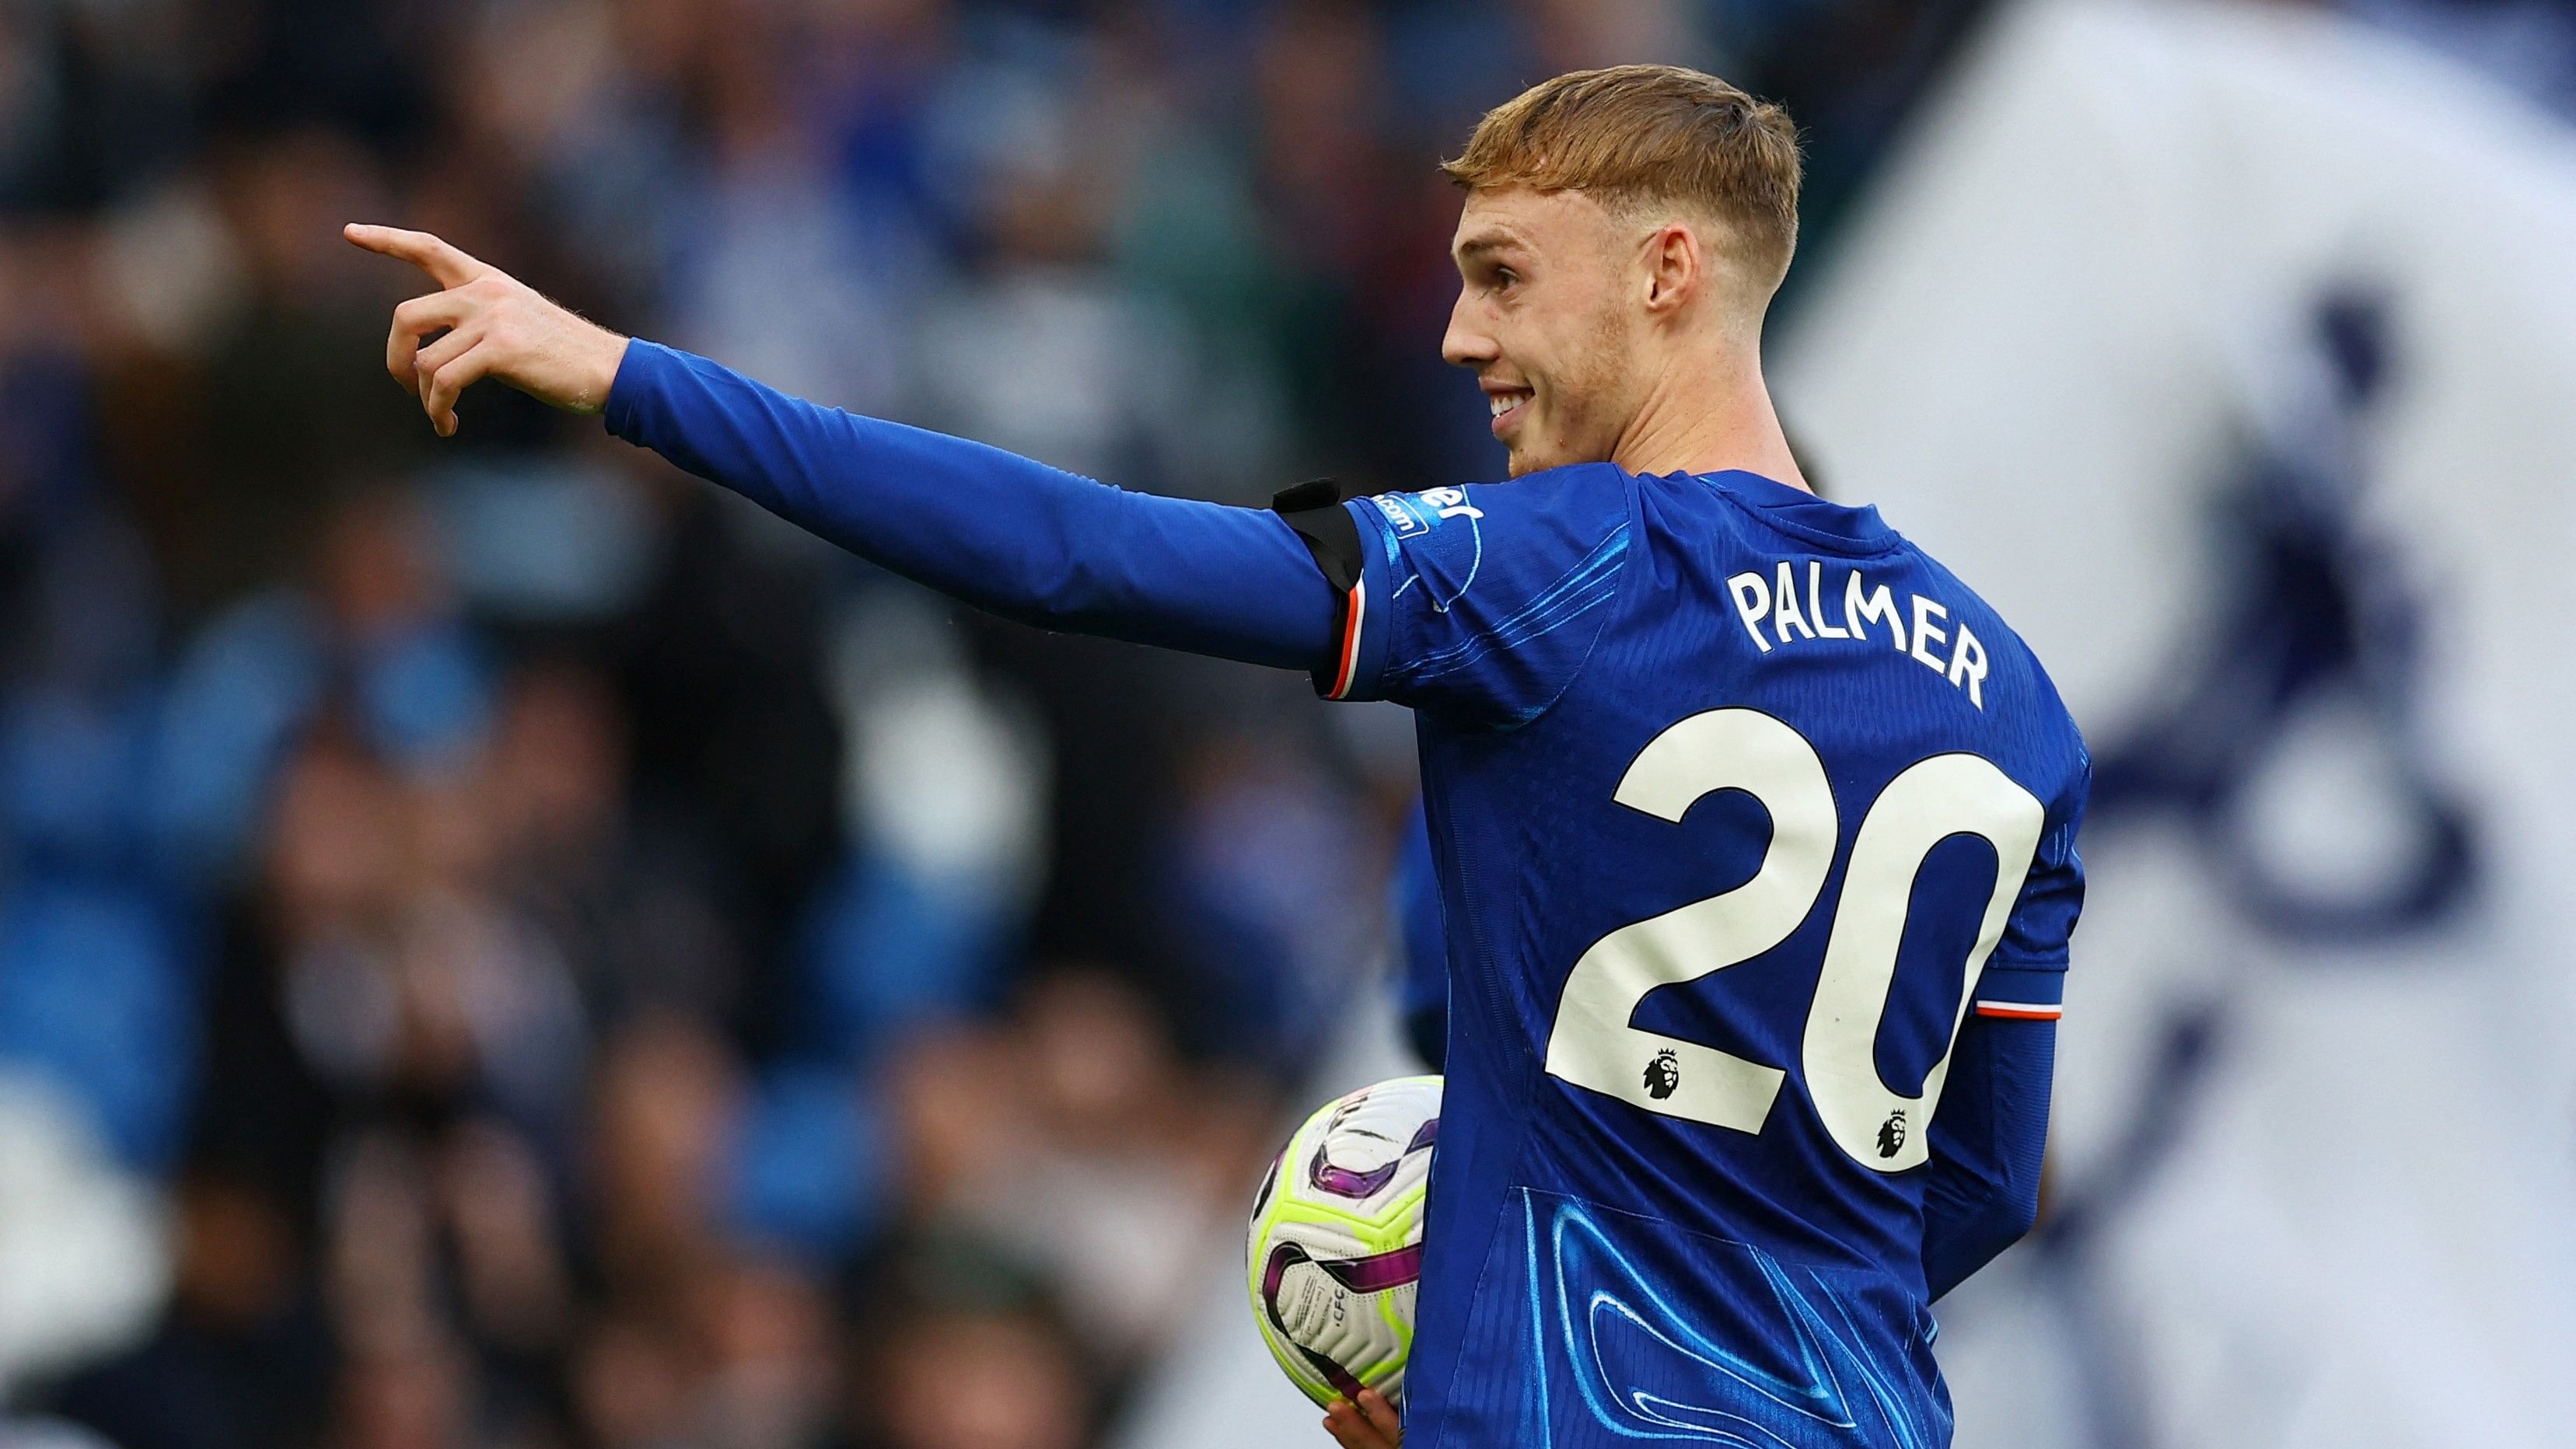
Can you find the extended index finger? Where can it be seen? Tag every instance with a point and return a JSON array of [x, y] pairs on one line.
[[446, 265]]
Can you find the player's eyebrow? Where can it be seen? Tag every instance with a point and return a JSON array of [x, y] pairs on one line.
[[1482, 244]]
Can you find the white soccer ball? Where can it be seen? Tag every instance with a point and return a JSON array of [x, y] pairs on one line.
[[1336, 1241]]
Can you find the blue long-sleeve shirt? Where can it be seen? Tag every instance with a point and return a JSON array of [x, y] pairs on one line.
[[1000, 531], [1051, 548]]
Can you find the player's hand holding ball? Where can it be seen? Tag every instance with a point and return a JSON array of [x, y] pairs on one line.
[[1369, 1424], [495, 326]]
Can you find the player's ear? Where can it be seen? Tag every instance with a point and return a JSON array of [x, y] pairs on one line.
[[1673, 263]]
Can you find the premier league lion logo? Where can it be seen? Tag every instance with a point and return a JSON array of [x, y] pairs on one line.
[[1663, 1075]]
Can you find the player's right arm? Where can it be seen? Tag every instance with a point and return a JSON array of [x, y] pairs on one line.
[[1000, 531]]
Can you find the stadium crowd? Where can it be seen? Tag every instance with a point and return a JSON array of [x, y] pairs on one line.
[[502, 944]]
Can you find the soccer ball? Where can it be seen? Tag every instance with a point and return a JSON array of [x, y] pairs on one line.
[[1336, 1242]]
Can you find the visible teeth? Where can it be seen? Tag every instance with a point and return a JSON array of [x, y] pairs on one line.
[[1503, 402]]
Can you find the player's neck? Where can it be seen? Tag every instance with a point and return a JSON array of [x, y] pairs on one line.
[[1709, 416]]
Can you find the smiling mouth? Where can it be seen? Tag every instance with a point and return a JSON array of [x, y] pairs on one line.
[[1507, 408]]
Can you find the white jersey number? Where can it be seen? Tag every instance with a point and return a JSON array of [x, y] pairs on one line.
[[1592, 1043]]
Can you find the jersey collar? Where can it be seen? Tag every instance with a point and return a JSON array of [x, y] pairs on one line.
[[1802, 511]]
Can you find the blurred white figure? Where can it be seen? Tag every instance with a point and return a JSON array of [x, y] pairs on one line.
[[84, 1252], [2231, 350]]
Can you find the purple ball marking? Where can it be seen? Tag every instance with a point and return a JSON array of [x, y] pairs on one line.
[[1375, 1273], [1283, 1258], [1378, 1272], [1343, 1182]]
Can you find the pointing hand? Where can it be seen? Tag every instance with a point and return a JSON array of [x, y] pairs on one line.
[[496, 326]]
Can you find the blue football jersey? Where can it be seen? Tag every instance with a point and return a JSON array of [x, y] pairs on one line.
[[1740, 807]]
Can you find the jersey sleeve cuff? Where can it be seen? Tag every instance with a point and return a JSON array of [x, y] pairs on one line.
[[2021, 991], [636, 387]]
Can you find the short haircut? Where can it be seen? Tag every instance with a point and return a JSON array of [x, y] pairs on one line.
[[1637, 136]]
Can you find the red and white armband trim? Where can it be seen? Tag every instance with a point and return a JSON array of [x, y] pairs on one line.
[[1314, 510], [1354, 620], [2017, 991]]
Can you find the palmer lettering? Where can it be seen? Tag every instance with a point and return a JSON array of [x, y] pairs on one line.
[[1923, 629]]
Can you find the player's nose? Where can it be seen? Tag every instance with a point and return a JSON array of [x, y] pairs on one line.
[[1467, 344]]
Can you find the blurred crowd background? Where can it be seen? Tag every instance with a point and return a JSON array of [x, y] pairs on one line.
[[504, 945]]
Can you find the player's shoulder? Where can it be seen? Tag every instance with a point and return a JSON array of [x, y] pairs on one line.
[[1966, 601], [1488, 597], [1507, 538], [2029, 699], [1583, 499]]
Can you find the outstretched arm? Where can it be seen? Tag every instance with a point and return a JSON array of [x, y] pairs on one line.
[[997, 530]]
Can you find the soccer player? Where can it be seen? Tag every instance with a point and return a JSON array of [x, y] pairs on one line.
[[1754, 828]]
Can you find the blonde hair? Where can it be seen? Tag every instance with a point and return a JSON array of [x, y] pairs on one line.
[[1634, 136]]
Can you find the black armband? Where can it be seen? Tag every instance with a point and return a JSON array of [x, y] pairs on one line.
[[1314, 510]]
